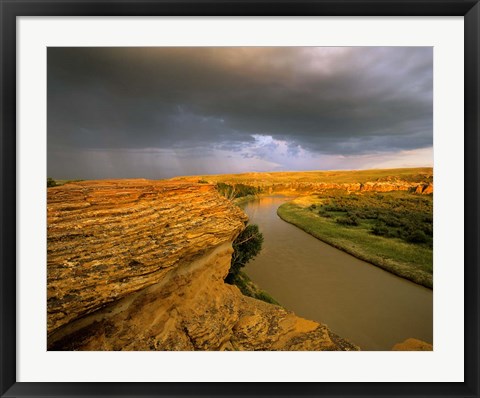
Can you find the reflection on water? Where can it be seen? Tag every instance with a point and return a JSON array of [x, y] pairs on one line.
[[371, 307]]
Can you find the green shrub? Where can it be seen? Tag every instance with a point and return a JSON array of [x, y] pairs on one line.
[[349, 220], [399, 214], [247, 245], [417, 237], [390, 221], [323, 213], [266, 297], [51, 182], [380, 230], [236, 190], [334, 208]]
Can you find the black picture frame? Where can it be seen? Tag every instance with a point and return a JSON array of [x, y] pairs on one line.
[[9, 10]]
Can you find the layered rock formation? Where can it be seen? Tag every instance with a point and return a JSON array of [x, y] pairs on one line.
[[139, 265], [371, 186], [419, 181], [425, 189], [412, 345]]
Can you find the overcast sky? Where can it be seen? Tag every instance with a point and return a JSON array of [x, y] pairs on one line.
[[162, 112]]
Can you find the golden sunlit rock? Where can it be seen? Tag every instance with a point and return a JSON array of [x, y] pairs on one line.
[[140, 265], [412, 345]]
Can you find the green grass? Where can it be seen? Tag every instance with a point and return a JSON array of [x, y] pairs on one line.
[[394, 253], [402, 215], [250, 289]]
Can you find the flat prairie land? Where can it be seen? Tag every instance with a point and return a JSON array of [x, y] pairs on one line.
[[414, 175]]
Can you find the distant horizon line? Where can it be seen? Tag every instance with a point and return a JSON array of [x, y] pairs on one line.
[[246, 172]]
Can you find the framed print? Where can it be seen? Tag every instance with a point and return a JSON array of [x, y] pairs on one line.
[[239, 195]]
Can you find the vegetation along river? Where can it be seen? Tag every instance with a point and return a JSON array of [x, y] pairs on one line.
[[359, 301]]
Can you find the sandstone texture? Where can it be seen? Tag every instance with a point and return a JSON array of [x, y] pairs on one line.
[[371, 186], [418, 181], [140, 265], [412, 345]]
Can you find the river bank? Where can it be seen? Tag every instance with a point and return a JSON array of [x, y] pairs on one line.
[[250, 289], [359, 301], [407, 260]]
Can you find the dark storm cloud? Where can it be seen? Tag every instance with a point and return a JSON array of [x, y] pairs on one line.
[[327, 100]]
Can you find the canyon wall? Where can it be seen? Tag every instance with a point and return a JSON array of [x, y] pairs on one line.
[[417, 180], [140, 265], [373, 186]]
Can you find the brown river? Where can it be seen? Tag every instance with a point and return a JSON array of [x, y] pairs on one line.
[[359, 301]]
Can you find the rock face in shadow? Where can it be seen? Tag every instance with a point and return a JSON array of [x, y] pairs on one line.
[[139, 265]]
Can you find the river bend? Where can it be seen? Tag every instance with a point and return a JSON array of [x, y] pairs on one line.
[[360, 302]]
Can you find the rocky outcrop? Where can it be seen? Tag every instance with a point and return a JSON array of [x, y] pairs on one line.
[[424, 189], [376, 186], [412, 345], [140, 265], [373, 186], [417, 181], [108, 239]]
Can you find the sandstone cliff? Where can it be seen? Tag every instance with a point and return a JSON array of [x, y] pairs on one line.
[[139, 265], [419, 181], [370, 186]]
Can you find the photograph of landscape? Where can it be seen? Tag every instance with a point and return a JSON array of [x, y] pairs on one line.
[[240, 198]]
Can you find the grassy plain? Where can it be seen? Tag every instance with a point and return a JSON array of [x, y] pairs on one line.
[[420, 174], [391, 230], [250, 289]]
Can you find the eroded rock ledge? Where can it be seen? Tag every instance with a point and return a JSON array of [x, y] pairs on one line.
[[419, 181], [139, 265]]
